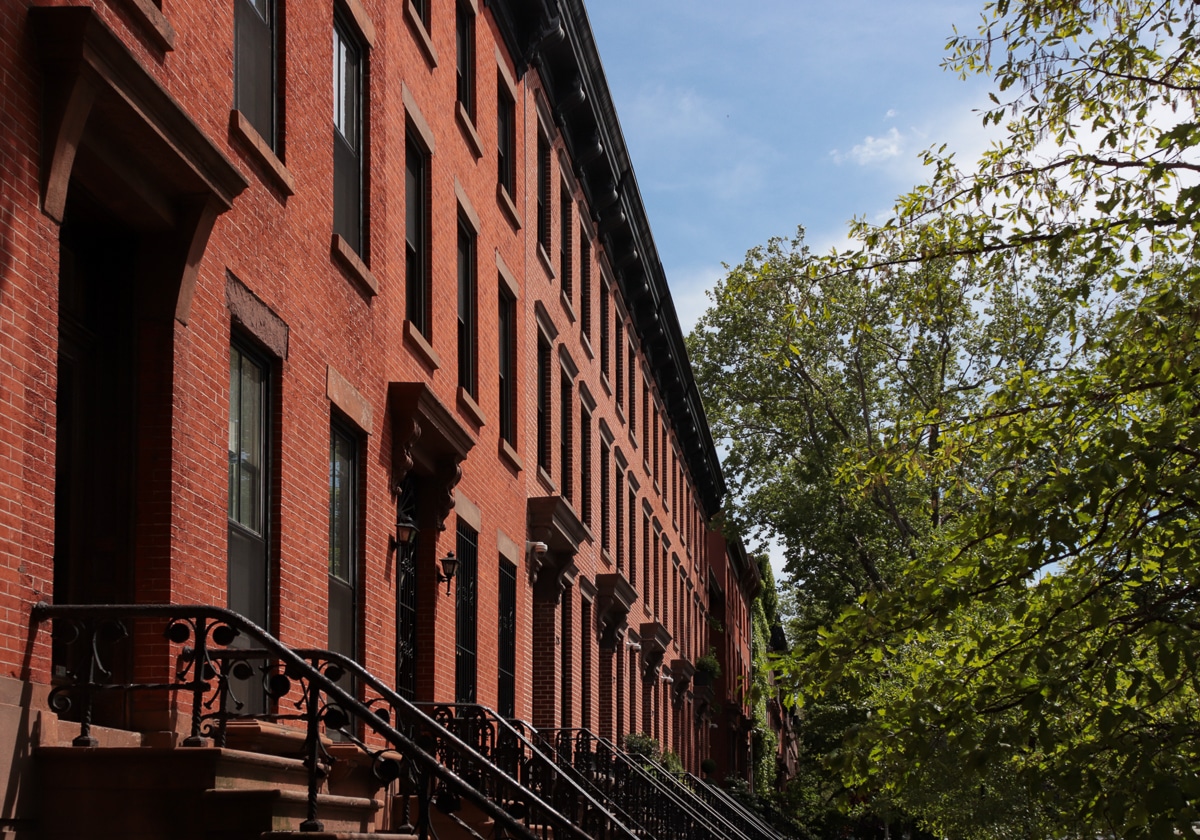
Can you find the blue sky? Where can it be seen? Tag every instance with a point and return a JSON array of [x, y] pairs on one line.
[[746, 120]]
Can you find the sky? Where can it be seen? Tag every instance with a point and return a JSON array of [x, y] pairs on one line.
[[747, 120]]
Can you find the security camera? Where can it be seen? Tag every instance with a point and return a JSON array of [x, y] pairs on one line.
[[667, 678], [538, 547], [633, 646]]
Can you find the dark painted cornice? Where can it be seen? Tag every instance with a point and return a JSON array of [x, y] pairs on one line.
[[555, 37]]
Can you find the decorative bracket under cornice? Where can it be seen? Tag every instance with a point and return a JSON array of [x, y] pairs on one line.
[[553, 523], [655, 638], [614, 599], [428, 440]]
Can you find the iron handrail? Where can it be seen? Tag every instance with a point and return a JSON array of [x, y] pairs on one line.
[[207, 624], [711, 793], [532, 753], [690, 822], [682, 790]]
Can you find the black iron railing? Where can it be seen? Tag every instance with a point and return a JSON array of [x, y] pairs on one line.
[[726, 821], [212, 647], [630, 782], [510, 745], [752, 823]]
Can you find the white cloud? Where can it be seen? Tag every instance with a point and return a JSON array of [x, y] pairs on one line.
[[873, 149], [689, 285], [891, 112]]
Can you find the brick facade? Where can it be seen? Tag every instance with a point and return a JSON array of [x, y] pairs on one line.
[[146, 227]]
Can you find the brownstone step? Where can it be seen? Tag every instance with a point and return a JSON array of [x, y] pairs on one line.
[[232, 814], [335, 835]]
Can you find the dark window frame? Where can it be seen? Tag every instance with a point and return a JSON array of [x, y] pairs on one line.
[[506, 137], [350, 80], [544, 404], [468, 308], [416, 234], [507, 364], [543, 191], [255, 56], [464, 40]]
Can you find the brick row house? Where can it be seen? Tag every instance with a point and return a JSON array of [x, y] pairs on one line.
[[345, 317]]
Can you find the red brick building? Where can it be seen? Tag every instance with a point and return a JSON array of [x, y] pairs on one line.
[[279, 280]]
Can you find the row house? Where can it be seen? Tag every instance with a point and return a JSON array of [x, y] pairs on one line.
[[342, 401]]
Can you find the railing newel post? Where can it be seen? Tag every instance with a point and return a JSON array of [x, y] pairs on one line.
[[199, 662]]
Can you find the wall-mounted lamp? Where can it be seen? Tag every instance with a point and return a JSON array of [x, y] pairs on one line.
[[406, 532], [449, 568]]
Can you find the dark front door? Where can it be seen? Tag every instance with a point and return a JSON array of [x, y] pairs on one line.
[[95, 436]]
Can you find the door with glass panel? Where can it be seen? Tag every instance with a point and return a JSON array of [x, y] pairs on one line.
[[249, 486], [343, 545]]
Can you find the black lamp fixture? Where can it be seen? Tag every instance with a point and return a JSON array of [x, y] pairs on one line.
[[449, 567], [406, 532]]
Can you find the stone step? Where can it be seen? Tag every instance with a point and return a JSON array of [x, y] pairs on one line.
[[231, 814], [335, 835]]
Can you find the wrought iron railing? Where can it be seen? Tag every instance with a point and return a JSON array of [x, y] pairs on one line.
[[727, 821], [510, 745], [625, 779], [752, 823], [212, 648]]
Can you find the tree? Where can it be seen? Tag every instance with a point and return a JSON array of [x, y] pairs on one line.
[[1029, 633]]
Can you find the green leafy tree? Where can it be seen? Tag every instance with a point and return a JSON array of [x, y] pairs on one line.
[[977, 437]]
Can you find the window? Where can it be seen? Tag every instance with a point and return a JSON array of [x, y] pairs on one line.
[[422, 7], [343, 541], [585, 284], [464, 30], [632, 392], [648, 581], [543, 192], [566, 442], [620, 364], [604, 327], [507, 327], [605, 514], [633, 555], [416, 236], [645, 420], [566, 224], [506, 690], [506, 137], [254, 35], [348, 60], [585, 465], [249, 487], [467, 329], [543, 404], [620, 518], [465, 612]]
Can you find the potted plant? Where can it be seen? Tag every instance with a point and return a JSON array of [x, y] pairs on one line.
[[707, 668], [708, 767]]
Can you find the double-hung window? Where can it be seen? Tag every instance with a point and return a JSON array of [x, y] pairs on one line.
[[349, 61], [507, 327], [467, 330], [506, 137], [464, 30], [254, 63], [543, 192], [416, 236]]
